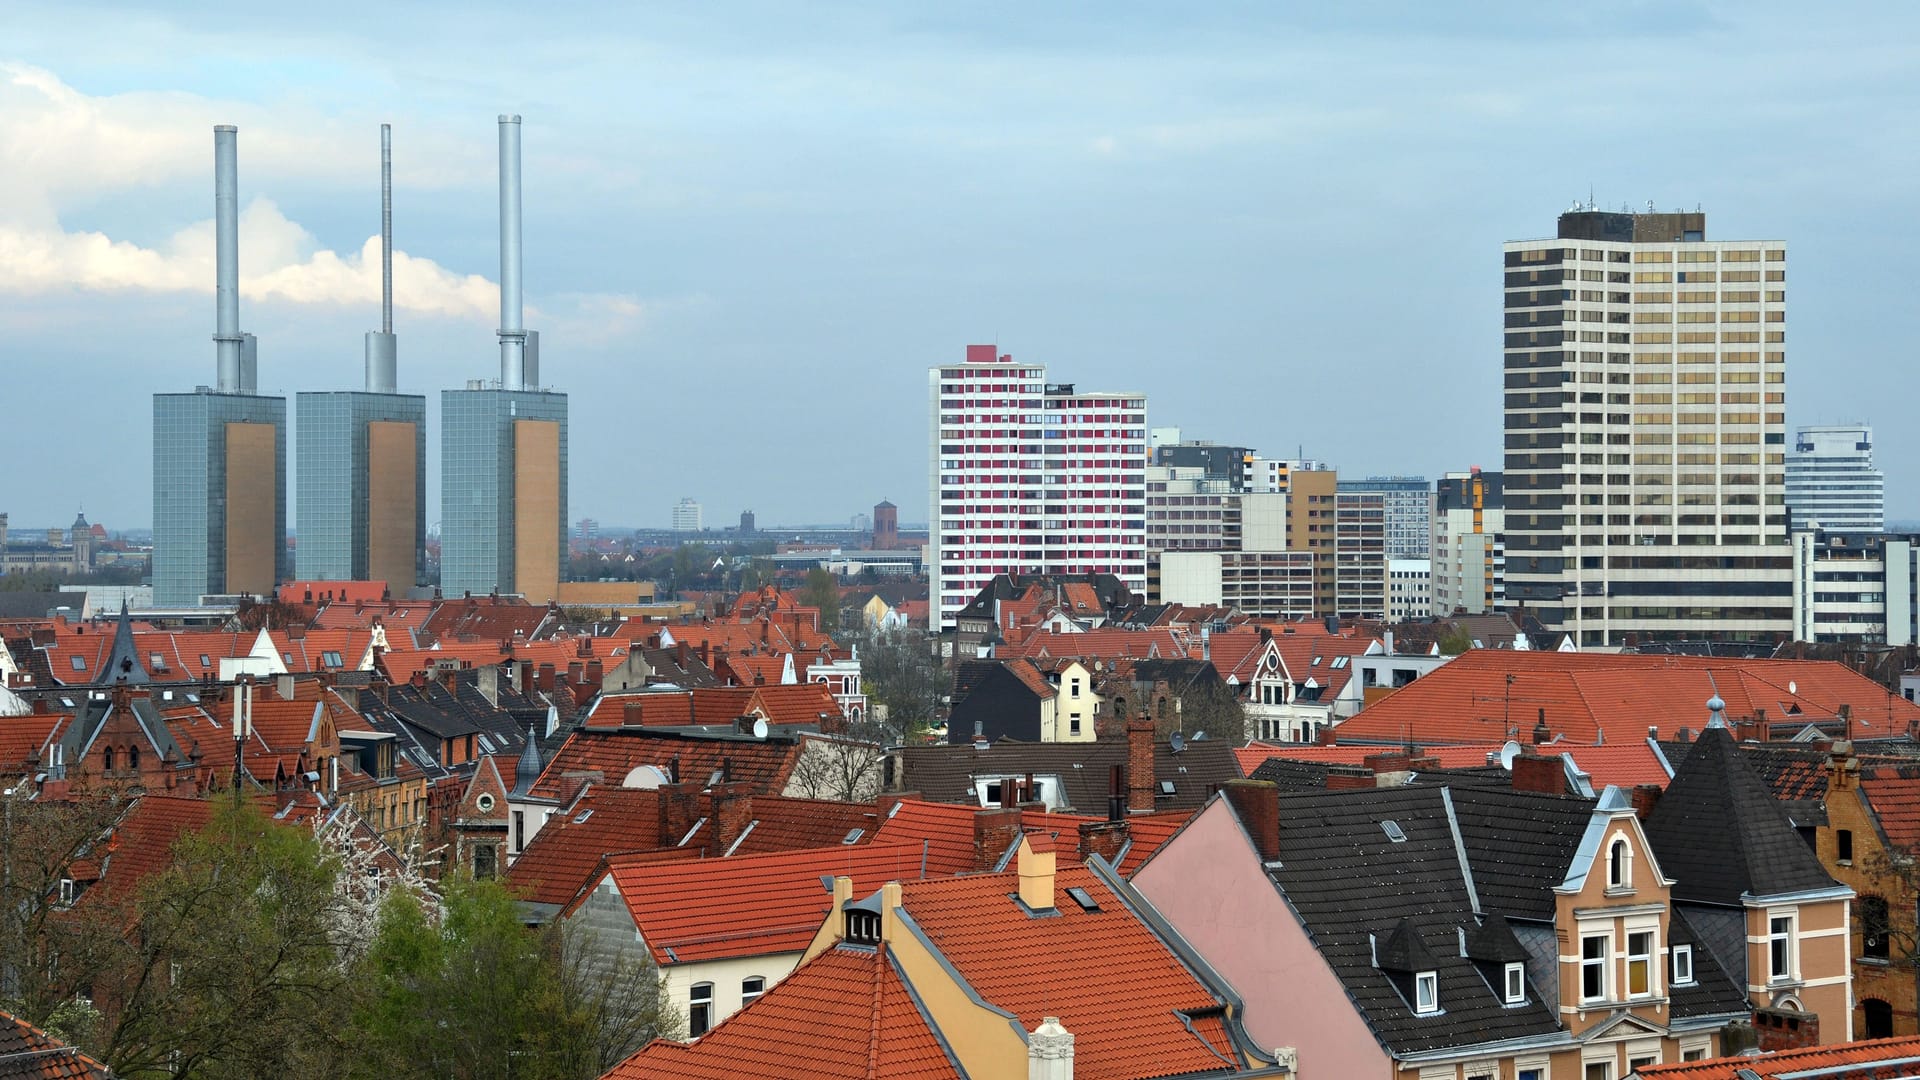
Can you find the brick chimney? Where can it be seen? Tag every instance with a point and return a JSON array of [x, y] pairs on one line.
[[545, 679], [1395, 768], [1542, 774], [1644, 797], [632, 714], [729, 809], [680, 806], [594, 675], [1257, 802], [1350, 777], [1785, 1029], [1105, 839], [994, 831], [1140, 780], [1035, 863]]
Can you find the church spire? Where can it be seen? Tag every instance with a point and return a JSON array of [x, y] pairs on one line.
[[123, 664]]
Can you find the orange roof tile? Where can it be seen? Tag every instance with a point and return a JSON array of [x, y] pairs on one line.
[[28, 1053], [1126, 1022], [1894, 793], [142, 842], [27, 737], [1468, 699], [844, 1015], [562, 856], [751, 905], [1865, 1053], [764, 765], [1103, 643]]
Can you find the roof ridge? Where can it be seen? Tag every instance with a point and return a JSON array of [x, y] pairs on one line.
[[873, 1019]]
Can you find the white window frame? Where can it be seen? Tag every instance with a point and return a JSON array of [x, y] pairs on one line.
[[748, 996], [700, 1003], [1602, 963], [1426, 993], [1516, 983], [1788, 944], [1682, 965], [1645, 959], [67, 891], [1620, 865]]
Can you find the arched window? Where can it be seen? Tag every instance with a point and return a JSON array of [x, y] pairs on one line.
[[1877, 1019], [133, 758], [699, 1009], [1873, 927], [1620, 865], [106, 759]]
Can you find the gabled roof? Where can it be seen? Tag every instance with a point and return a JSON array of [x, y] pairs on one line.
[[945, 773], [753, 905], [1828, 1061], [605, 821], [764, 765], [1519, 845], [1893, 793], [847, 1014], [1719, 832], [1104, 973], [27, 1053]]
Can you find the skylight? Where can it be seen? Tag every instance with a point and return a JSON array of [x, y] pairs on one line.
[[1340, 662], [1393, 831], [1083, 898], [79, 662], [582, 816], [854, 836]]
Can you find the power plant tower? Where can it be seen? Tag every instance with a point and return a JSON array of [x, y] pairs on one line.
[[504, 445], [220, 452], [363, 455]]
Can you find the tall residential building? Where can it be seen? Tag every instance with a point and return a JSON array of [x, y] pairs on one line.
[[1469, 543], [1831, 481], [1646, 431], [220, 453], [686, 515], [1359, 555], [363, 455], [1312, 492], [1031, 477], [1408, 504], [504, 445]]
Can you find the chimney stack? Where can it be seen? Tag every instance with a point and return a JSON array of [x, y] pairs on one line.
[[382, 347], [226, 233], [513, 335]]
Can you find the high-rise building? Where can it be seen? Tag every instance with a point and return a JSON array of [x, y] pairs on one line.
[[1831, 481], [1469, 571], [1407, 502], [1359, 555], [220, 453], [1031, 477], [686, 515], [1645, 371], [1312, 491], [363, 455], [504, 445]]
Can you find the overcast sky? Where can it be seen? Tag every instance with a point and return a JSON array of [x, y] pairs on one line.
[[750, 228]]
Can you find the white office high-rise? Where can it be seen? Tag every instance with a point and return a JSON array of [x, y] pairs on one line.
[[1831, 481]]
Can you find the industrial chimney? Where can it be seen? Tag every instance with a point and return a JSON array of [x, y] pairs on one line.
[[229, 345], [513, 335], [382, 346]]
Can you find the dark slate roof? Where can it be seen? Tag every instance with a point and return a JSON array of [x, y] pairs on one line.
[[28, 1053], [1519, 845], [1718, 831], [1713, 991], [1493, 942], [1289, 775], [39, 605], [123, 664], [1354, 887], [1179, 672], [943, 773]]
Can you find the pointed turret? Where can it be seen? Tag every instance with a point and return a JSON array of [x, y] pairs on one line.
[[123, 664], [527, 772]]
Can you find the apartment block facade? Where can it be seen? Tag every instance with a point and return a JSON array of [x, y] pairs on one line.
[[1469, 543], [1029, 476], [1645, 417], [1831, 481]]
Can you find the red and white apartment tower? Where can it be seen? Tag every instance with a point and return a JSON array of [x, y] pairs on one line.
[[1031, 477]]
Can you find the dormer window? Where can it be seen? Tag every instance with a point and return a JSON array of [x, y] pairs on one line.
[[863, 927], [66, 892], [1682, 965], [1426, 992], [1516, 984], [1620, 865]]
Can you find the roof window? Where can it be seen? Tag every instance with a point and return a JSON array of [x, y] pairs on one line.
[[1340, 662], [79, 662], [1393, 831], [1083, 898], [1426, 992], [854, 836], [582, 816]]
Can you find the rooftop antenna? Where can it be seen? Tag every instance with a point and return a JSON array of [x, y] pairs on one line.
[[382, 347]]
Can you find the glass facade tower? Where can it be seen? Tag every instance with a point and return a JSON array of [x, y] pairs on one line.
[[361, 511], [503, 491], [219, 495]]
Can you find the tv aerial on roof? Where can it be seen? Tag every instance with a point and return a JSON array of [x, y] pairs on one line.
[[1507, 753]]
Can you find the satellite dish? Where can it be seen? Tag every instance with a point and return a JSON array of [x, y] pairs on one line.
[[1177, 742], [1793, 687], [1507, 753], [759, 727]]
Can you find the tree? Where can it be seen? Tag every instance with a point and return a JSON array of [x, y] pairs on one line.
[[48, 951], [230, 966], [1210, 706], [902, 682], [847, 764], [1455, 640], [463, 989], [823, 592]]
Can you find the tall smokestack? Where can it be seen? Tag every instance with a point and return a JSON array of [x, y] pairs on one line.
[[382, 346], [226, 226], [513, 335]]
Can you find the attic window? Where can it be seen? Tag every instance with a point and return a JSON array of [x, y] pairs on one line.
[[1426, 993], [1682, 965], [288, 657], [330, 659], [79, 662], [1516, 984], [66, 892], [1340, 662], [205, 660], [853, 837], [1166, 787], [1315, 662], [863, 927], [1083, 898], [1393, 831], [582, 816], [154, 661]]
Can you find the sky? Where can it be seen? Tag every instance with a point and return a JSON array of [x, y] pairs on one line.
[[750, 228]]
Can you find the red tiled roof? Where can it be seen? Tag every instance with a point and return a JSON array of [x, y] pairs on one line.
[[844, 1015], [399, 617], [1103, 643], [779, 823], [1865, 1054], [483, 618], [27, 1053], [141, 844], [1626, 764], [1894, 793], [562, 856], [24, 737], [1125, 1021], [1468, 699], [315, 592], [1149, 832], [763, 765], [753, 905]]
